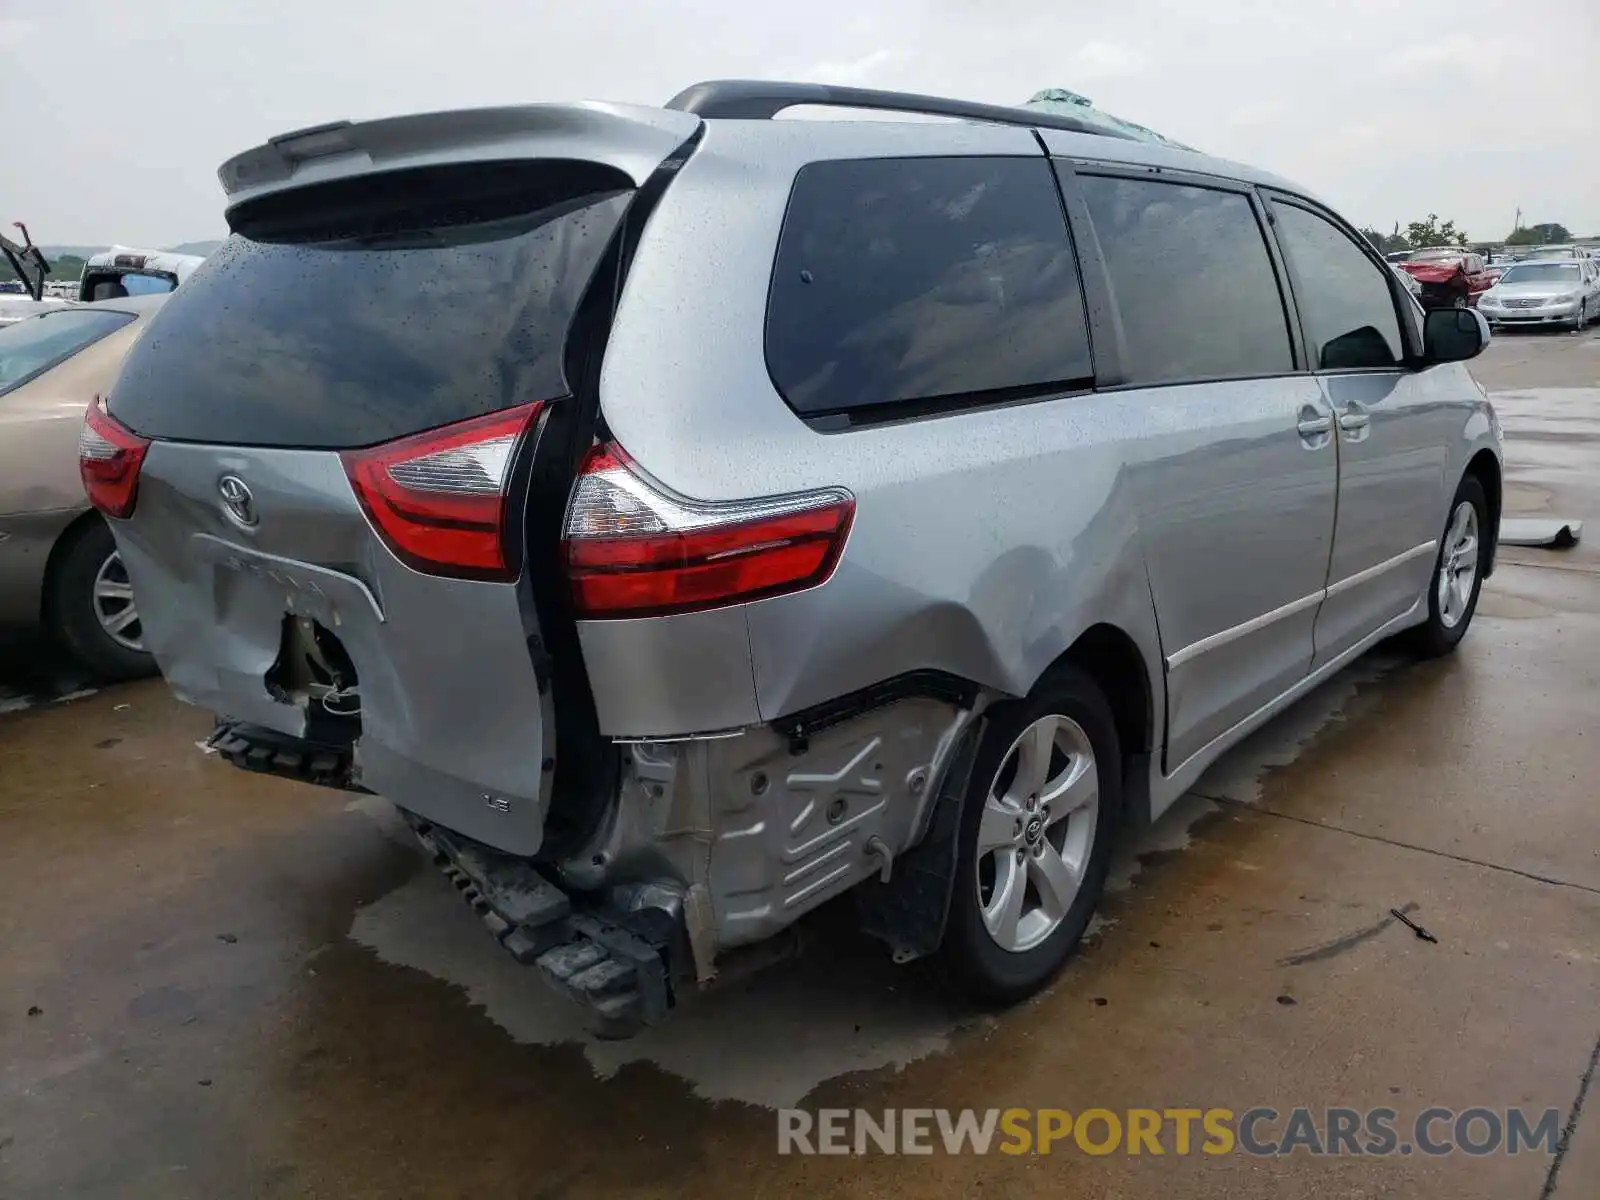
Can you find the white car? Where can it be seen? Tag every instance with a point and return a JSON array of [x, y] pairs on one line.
[[1549, 291]]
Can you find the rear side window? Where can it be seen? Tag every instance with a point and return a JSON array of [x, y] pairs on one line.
[[374, 312], [930, 280], [148, 285], [1193, 280], [1344, 297], [31, 347]]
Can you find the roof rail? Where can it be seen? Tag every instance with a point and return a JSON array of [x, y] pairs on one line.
[[750, 99]]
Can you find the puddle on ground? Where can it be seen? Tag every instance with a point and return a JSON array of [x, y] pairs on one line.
[[1238, 775], [772, 1039], [769, 1040]]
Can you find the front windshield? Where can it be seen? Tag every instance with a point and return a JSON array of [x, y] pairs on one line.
[[1435, 254], [33, 346], [1553, 272]]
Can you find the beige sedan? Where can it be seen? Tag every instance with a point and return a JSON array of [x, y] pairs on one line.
[[58, 564]]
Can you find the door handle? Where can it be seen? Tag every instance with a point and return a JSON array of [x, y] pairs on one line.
[[1353, 423], [1311, 427]]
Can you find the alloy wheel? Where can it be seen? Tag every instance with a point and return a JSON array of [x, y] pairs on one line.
[[1458, 565], [1037, 832], [114, 607]]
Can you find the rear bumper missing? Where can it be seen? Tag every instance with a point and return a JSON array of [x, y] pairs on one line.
[[615, 965], [268, 752]]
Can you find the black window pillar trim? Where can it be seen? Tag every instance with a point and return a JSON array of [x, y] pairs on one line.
[[1299, 343], [1108, 344]]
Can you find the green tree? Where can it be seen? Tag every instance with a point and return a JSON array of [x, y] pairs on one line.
[[68, 266], [1543, 234], [1432, 232], [1386, 243]]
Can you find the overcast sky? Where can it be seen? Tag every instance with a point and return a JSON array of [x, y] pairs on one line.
[[117, 113]]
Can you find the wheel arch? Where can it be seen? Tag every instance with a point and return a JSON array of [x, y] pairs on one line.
[[1485, 468], [1111, 657], [49, 580]]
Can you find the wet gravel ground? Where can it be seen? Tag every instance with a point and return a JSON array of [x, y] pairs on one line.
[[220, 985]]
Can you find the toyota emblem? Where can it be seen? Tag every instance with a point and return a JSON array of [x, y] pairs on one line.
[[237, 502]]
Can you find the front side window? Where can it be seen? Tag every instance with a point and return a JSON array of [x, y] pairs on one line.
[[32, 346], [1345, 302], [931, 280], [1194, 283]]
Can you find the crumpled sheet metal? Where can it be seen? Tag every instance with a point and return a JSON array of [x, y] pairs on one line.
[[1071, 104]]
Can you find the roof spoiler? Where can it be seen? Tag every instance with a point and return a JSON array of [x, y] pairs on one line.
[[634, 140]]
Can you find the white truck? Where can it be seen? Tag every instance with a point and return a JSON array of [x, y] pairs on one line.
[[123, 271]]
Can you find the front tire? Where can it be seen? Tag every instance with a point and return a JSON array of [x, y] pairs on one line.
[[1458, 572], [90, 606], [1037, 827]]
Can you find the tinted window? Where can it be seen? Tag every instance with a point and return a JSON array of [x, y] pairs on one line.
[[1193, 281], [32, 346], [921, 279], [148, 285], [363, 339], [1344, 297]]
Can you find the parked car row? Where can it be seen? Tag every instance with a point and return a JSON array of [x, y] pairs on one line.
[[687, 521]]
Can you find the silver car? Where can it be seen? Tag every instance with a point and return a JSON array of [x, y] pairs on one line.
[[688, 518], [1544, 292]]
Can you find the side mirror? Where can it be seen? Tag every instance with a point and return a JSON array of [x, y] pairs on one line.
[[1454, 334]]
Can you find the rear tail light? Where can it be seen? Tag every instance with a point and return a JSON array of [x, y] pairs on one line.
[[635, 550], [109, 458], [438, 499]]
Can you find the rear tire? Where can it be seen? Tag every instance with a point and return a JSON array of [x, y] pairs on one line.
[[1457, 578], [85, 602], [1028, 813]]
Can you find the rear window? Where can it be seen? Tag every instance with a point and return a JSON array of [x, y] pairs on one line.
[[358, 322], [31, 347], [1193, 280], [926, 281]]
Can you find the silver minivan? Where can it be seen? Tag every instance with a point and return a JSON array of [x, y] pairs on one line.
[[687, 517]]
